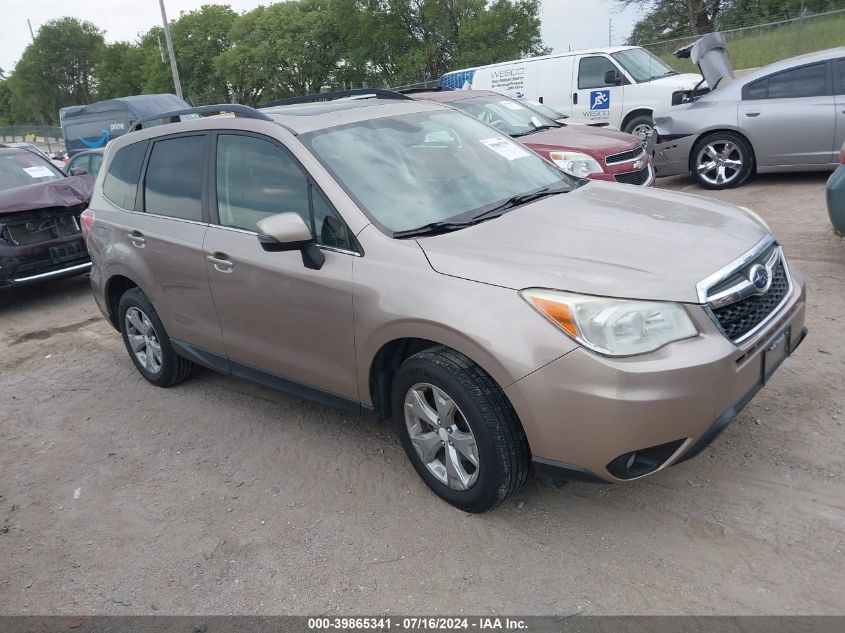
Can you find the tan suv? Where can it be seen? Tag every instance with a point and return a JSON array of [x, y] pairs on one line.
[[399, 256]]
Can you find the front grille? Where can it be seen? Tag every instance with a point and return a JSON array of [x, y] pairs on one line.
[[621, 157], [740, 318], [634, 177]]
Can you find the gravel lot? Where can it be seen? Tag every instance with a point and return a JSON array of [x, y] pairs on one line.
[[221, 497]]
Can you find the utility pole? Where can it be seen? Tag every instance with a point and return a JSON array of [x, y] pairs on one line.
[[170, 52], [31, 34], [610, 31]]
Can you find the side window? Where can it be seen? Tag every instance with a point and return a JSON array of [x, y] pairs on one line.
[[255, 178], [591, 72], [808, 81], [173, 182], [96, 163], [121, 182], [839, 74], [329, 229], [757, 90], [81, 162]]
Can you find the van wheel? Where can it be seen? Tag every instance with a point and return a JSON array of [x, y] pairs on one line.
[[640, 126], [147, 342], [458, 429], [722, 160]]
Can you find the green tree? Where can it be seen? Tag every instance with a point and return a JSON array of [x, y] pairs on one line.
[[120, 71], [58, 68]]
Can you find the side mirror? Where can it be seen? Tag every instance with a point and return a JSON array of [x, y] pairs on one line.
[[612, 78], [77, 171], [288, 232]]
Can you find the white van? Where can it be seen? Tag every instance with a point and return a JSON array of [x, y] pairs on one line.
[[619, 86]]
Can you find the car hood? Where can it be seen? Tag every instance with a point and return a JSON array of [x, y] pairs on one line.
[[602, 239], [67, 192], [593, 140], [710, 54]]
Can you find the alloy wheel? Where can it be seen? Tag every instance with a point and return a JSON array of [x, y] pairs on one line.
[[719, 162], [441, 436], [143, 340], [642, 131]]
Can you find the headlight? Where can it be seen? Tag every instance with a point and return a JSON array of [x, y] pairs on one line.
[[757, 217], [576, 164], [615, 327]]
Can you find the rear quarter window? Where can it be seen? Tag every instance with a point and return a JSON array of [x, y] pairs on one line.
[[120, 185]]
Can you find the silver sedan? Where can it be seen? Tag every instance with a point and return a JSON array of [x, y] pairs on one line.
[[788, 116]]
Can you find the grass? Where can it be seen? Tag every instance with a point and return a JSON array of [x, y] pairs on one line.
[[754, 49]]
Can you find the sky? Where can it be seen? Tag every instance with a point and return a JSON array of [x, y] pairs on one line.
[[565, 23]]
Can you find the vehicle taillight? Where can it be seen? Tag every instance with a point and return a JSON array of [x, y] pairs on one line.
[[842, 154], [86, 219]]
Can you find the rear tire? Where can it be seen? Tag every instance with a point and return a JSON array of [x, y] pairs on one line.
[[481, 418], [147, 342], [721, 160]]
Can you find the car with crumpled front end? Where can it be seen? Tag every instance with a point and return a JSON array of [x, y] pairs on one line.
[[579, 150], [397, 256], [40, 231]]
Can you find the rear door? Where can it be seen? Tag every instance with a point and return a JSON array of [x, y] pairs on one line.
[[554, 83], [790, 116], [277, 316], [594, 100], [839, 85], [157, 239]]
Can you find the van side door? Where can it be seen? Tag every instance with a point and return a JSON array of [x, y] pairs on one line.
[[554, 86], [594, 99]]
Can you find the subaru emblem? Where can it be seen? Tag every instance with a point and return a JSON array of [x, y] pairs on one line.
[[759, 277]]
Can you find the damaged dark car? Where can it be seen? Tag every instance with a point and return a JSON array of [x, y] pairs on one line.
[[40, 231]]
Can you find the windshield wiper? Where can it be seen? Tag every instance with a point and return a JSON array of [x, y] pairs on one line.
[[668, 73], [517, 201], [433, 227], [536, 129]]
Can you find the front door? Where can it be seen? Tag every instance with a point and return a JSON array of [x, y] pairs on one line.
[[789, 117], [277, 316], [594, 100]]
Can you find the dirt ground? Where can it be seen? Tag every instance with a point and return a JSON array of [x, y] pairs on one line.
[[219, 497]]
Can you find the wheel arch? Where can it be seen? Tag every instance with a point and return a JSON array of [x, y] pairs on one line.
[[633, 114], [115, 287], [392, 353]]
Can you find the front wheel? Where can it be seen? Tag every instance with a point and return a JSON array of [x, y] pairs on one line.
[[640, 126], [722, 160], [457, 428]]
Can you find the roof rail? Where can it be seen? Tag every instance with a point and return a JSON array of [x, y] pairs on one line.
[[235, 108], [338, 94], [411, 91]]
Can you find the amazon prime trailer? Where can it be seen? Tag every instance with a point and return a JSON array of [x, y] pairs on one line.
[[94, 125]]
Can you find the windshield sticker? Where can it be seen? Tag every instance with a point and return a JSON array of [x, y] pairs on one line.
[[505, 148], [510, 105], [39, 171]]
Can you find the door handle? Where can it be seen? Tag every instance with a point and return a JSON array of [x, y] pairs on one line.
[[138, 239], [574, 97], [221, 262], [752, 114]]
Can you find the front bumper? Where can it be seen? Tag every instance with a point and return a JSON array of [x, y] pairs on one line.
[[43, 261], [672, 157], [589, 417]]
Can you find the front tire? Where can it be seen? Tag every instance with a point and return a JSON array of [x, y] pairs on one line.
[[147, 342], [722, 160], [458, 429], [641, 126]]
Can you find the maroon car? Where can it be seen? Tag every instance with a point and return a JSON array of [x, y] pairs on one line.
[[40, 232], [579, 150]]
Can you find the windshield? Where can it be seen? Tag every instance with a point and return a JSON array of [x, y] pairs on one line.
[[642, 65], [410, 170], [21, 168], [545, 110], [504, 114]]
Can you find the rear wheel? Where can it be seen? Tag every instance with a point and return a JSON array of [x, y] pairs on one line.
[[457, 428], [147, 342], [722, 160]]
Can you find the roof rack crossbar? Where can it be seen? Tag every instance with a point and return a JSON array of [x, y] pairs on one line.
[[235, 108], [337, 94]]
